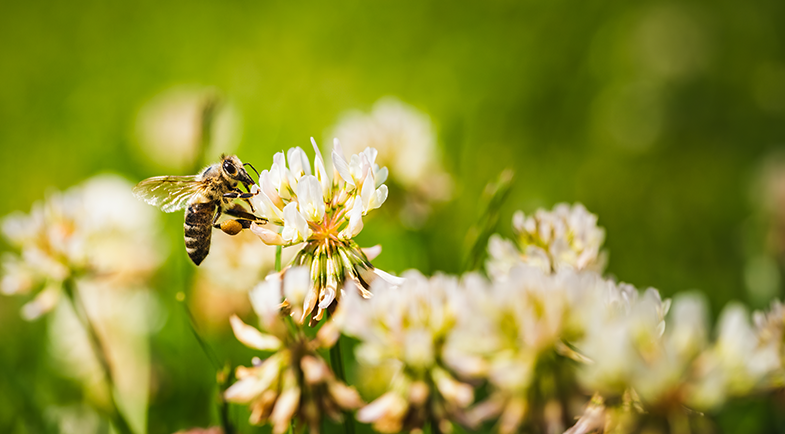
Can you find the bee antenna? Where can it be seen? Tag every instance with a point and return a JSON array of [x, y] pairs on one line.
[[254, 169]]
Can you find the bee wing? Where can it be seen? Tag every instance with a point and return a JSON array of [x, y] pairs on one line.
[[169, 193]]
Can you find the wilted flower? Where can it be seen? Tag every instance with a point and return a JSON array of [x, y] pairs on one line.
[[325, 214], [294, 383], [95, 232], [407, 327], [406, 141], [567, 237]]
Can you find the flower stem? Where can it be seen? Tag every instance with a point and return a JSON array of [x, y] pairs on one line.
[[336, 360], [117, 418], [278, 250]]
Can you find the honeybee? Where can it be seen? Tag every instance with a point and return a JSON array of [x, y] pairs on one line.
[[205, 197]]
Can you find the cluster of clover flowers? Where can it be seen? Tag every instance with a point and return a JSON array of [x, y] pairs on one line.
[[539, 336], [542, 339]]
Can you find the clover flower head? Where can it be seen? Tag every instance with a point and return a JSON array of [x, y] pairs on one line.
[[95, 231], [510, 332], [294, 383], [406, 141], [407, 327], [566, 237], [770, 334], [324, 213]]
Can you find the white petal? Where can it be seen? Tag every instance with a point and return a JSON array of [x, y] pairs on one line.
[[340, 165], [379, 196], [252, 337], [296, 284], [266, 298], [267, 236], [381, 176], [355, 222], [372, 252], [389, 278], [311, 199]]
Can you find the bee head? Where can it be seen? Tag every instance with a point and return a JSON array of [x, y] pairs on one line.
[[233, 168]]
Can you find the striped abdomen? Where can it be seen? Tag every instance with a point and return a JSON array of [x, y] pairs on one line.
[[198, 229]]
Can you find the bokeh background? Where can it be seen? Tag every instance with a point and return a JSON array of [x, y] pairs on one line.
[[666, 119]]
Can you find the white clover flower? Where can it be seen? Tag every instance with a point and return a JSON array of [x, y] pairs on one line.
[[566, 237], [770, 335], [95, 231], [673, 367], [96, 240], [325, 214], [511, 332], [405, 140], [406, 327], [293, 384], [736, 364]]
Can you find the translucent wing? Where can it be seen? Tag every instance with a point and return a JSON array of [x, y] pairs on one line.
[[169, 193]]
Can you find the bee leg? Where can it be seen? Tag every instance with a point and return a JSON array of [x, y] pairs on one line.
[[238, 211], [215, 219], [238, 195]]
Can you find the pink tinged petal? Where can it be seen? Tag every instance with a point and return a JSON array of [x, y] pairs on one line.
[[253, 338], [418, 393], [243, 391], [267, 236], [310, 303], [390, 405], [287, 403], [315, 371], [284, 409], [453, 391], [372, 252], [328, 335], [346, 397], [44, 302], [513, 415], [389, 278], [254, 381]]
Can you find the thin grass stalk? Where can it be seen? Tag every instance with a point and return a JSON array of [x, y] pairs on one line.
[[114, 414]]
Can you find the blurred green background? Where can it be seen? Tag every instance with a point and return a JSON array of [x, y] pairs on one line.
[[655, 115]]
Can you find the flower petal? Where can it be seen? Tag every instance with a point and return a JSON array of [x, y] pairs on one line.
[[252, 337]]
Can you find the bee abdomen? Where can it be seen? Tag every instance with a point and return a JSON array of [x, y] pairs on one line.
[[198, 228]]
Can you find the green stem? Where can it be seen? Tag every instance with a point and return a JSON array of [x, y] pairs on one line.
[[336, 360], [278, 252], [223, 406], [118, 420]]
